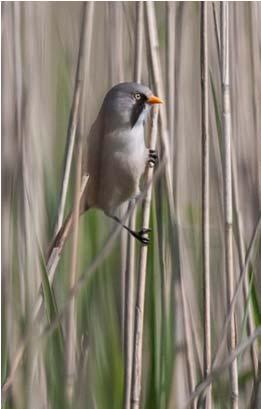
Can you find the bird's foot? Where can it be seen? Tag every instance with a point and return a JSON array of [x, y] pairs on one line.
[[140, 236], [153, 158]]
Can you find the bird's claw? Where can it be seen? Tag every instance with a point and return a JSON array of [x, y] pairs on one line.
[[153, 157], [141, 238]]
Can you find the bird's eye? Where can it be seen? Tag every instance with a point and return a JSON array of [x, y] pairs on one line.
[[137, 96]]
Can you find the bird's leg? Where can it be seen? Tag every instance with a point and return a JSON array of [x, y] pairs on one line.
[[138, 235], [153, 157]]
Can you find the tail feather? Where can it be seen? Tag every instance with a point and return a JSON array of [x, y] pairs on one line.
[[64, 232]]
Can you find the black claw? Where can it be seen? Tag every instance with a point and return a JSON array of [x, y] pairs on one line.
[[144, 241], [153, 157], [140, 236]]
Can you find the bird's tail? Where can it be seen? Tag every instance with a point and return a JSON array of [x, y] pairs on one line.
[[64, 232], [61, 237]]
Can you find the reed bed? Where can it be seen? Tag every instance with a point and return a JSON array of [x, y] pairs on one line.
[[106, 322]]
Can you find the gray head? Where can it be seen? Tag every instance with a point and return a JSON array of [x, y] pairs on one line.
[[127, 104]]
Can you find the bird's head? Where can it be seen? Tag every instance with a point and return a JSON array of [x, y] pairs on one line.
[[127, 104]]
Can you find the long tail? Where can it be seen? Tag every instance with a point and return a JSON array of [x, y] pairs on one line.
[[61, 237], [64, 232]]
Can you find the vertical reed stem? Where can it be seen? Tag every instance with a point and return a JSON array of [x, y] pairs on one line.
[[74, 115], [71, 346], [205, 192], [140, 301], [226, 126], [130, 270], [170, 61]]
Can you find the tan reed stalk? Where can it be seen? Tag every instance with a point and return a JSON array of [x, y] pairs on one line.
[[131, 256], [71, 346], [159, 89], [158, 84], [256, 67], [214, 10], [189, 332], [205, 192], [74, 117], [190, 360], [191, 336], [116, 75], [140, 300], [226, 125], [170, 68], [241, 251], [239, 224]]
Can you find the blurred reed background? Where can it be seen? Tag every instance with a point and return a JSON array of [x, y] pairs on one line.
[[187, 317]]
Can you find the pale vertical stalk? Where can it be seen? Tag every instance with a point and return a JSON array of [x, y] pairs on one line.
[[154, 61], [130, 262], [138, 41], [71, 319], [124, 234], [256, 67], [164, 296], [216, 30], [189, 348], [159, 89], [115, 41], [205, 192], [170, 61], [71, 348], [191, 337], [226, 126], [238, 218], [114, 37], [188, 329], [239, 233], [241, 251], [70, 136], [140, 301]]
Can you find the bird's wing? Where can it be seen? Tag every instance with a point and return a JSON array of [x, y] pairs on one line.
[[94, 145]]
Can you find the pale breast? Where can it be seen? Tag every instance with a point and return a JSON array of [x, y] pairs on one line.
[[122, 164]]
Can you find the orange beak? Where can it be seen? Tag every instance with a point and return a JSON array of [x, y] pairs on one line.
[[154, 100]]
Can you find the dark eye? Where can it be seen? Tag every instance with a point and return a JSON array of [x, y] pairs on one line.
[[137, 96]]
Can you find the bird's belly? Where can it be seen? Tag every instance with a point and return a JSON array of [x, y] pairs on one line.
[[117, 181], [123, 179], [122, 162]]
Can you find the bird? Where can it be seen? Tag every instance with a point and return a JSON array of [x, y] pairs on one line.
[[115, 155]]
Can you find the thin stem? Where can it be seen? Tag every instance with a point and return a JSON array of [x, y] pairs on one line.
[[130, 263], [170, 62], [71, 319], [238, 218], [158, 85], [205, 194], [190, 361], [226, 125], [216, 30], [140, 301], [74, 115], [138, 41]]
